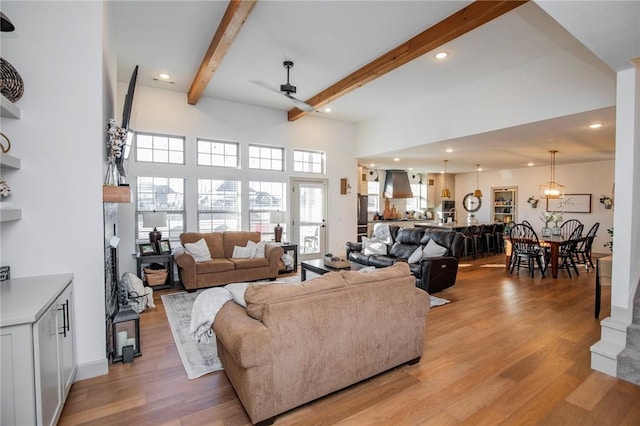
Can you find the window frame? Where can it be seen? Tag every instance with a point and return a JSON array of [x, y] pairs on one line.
[[271, 159], [323, 161], [224, 155], [153, 150], [181, 214]]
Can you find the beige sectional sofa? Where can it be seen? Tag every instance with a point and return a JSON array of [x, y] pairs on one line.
[[297, 342], [223, 268]]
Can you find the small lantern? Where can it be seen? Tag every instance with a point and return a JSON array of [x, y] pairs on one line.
[[126, 335]]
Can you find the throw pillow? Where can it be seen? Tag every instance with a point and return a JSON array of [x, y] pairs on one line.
[[199, 250], [258, 247], [416, 255], [373, 246], [243, 252], [433, 249]]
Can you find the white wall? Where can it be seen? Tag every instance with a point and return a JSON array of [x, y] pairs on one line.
[[57, 49], [167, 112], [583, 178]]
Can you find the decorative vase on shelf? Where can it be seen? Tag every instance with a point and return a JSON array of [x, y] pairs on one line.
[[112, 177]]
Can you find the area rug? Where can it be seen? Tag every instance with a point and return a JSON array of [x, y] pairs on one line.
[[198, 359], [436, 301]]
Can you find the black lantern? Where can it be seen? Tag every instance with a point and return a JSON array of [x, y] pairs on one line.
[[126, 335]]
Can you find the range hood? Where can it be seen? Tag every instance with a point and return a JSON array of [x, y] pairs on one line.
[[396, 185]]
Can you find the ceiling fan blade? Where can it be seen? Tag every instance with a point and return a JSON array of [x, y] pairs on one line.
[[266, 86], [300, 104]]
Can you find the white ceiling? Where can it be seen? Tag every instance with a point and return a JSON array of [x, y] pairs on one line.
[[328, 40]]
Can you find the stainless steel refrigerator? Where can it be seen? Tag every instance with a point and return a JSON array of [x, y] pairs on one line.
[[363, 216]]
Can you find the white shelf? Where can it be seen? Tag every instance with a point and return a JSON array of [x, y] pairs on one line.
[[8, 109], [7, 215], [9, 162]]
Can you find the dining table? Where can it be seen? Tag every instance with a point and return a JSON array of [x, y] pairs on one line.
[[554, 243]]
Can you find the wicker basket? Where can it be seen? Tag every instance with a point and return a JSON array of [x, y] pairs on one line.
[[138, 303], [155, 276]]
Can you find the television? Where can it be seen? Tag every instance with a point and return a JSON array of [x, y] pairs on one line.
[[126, 117]]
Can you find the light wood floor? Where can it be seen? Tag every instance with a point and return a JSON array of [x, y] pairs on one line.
[[507, 350]]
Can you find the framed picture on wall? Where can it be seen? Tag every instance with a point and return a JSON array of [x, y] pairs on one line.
[[164, 247], [146, 249], [571, 203]]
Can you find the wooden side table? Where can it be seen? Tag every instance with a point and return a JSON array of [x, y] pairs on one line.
[[288, 248], [165, 259]]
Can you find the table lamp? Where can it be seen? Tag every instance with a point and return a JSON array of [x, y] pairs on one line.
[[154, 220], [277, 217]]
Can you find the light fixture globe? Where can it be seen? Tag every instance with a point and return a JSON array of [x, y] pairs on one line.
[[552, 190]]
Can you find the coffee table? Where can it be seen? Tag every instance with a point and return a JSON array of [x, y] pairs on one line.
[[317, 266]]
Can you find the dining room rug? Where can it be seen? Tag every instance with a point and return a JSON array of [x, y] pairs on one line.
[[198, 359]]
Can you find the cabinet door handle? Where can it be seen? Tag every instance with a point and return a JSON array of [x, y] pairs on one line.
[[64, 320], [67, 322]]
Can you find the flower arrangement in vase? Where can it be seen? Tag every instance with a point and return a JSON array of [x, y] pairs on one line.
[[117, 137], [607, 201], [546, 218]]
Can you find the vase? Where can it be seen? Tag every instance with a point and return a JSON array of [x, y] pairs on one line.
[[555, 230], [112, 177], [546, 231]]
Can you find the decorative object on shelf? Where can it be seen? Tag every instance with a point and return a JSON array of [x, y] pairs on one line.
[[546, 218], [445, 191], [154, 220], [552, 189], [146, 249], [607, 201], [533, 201], [556, 217], [117, 138], [472, 219], [345, 186], [11, 84], [4, 148], [277, 217], [164, 246], [5, 190], [386, 213], [477, 193], [126, 335], [6, 26], [336, 262]]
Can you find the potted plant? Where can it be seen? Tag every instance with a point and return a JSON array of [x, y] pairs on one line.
[[533, 201], [607, 201]]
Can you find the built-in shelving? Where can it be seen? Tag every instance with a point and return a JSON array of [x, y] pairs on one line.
[[504, 204], [7, 215], [8, 109], [9, 162]]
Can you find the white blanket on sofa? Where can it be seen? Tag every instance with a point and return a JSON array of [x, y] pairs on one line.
[[204, 311]]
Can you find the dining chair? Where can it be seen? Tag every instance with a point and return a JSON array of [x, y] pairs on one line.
[[568, 251], [583, 250], [526, 246], [567, 228]]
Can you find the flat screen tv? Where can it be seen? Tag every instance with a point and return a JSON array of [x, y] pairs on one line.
[[126, 117]]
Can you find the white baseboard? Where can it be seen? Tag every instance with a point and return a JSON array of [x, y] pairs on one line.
[[92, 369]]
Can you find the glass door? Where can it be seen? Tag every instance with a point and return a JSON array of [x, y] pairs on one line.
[[309, 217]]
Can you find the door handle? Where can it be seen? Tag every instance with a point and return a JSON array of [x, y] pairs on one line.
[[64, 319]]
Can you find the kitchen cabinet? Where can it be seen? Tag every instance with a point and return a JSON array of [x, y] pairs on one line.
[[37, 344], [504, 204]]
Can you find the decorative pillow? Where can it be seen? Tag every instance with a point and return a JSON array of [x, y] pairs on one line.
[[373, 246], [258, 247], [237, 291], [199, 250], [243, 252], [416, 255], [433, 249]]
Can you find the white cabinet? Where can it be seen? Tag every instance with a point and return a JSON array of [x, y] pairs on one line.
[[504, 204], [38, 361]]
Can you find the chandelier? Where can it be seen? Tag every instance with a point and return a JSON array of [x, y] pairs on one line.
[[552, 189]]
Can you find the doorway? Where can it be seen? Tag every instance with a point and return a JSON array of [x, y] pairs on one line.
[[308, 217]]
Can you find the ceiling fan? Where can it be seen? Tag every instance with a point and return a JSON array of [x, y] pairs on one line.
[[287, 89]]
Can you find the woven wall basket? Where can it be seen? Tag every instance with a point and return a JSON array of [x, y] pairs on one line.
[[11, 84]]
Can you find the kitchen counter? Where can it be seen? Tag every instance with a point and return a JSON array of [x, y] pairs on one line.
[[402, 220]]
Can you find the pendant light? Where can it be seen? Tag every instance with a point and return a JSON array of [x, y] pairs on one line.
[[552, 189], [477, 192], [445, 191]]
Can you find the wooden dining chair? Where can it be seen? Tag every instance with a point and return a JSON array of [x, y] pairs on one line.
[[567, 253], [568, 227], [583, 250], [526, 247]]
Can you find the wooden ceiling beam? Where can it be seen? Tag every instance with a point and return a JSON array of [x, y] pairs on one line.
[[235, 15], [461, 22]]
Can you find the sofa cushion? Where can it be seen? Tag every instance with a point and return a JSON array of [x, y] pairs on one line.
[[399, 269], [410, 235], [214, 265], [381, 261], [373, 246], [402, 251], [230, 239], [257, 296], [359, 257], [433, 249], [416, 256], [243, 252], [198, 250], [250, 263], [445, 238]]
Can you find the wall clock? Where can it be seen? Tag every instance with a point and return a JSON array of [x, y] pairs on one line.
[[471, 203]]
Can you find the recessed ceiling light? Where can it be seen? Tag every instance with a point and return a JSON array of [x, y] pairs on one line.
[[530, 164], [410, 168], [164, 76], [595, 125], [327, 109], [449, 150], [396, 159], [441, 55], [372, 165]]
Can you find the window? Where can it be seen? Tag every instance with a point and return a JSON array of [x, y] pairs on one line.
[[308, 161], [266, 158], [373, 191], [218, 154], [218, 205], [159, 148], [265, 197], [162, 195], [419, 200]]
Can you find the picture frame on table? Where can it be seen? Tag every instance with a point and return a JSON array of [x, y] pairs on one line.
[[164, 247], [146, 249], [570, 203]]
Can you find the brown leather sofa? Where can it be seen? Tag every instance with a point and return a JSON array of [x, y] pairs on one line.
[[223, 268], [294, 343], [433, 274]]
